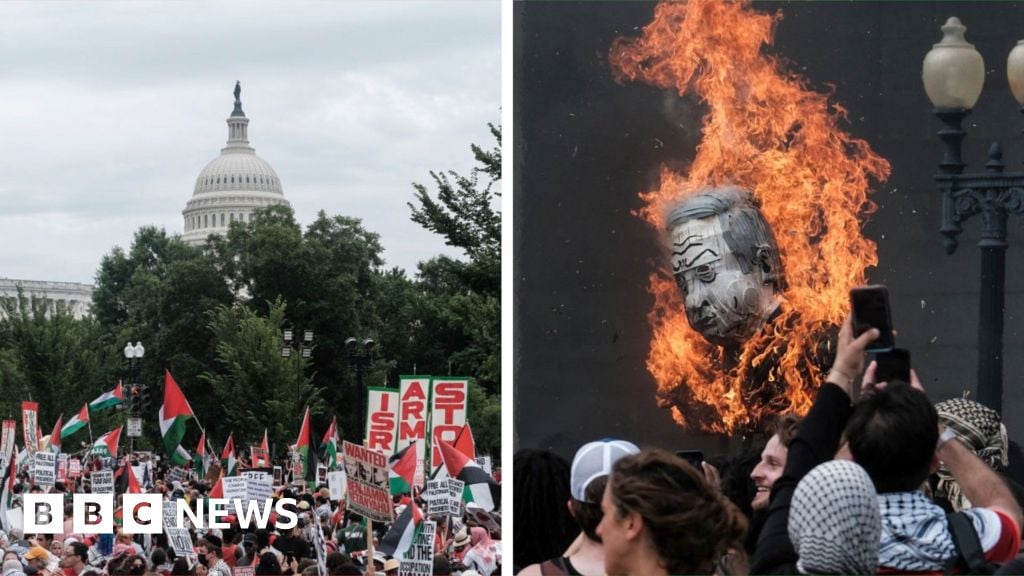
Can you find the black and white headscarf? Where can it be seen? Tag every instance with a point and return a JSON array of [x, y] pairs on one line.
[[834, 520], [981, 430]]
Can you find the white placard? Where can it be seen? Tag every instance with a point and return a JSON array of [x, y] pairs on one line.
[[44, 469], [444, 497], [259, 485], [102, 482], [337, 482], [419, 559], [178, 537], [133, 427]]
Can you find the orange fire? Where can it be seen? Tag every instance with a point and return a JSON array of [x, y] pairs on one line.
[[765, 131]]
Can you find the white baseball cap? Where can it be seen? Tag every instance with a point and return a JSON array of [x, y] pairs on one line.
[[594, 460]]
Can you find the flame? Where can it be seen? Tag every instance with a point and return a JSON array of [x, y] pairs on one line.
[[765, 131]]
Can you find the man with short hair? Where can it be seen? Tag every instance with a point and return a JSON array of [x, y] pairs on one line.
[[76, 556], [894, 435], [212, 554], [38, 558], [773, 459]]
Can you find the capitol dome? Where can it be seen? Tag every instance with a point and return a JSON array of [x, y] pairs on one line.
[[232, 185]]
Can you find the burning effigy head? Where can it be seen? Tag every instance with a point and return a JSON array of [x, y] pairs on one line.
[[777, 178], [726, 263]]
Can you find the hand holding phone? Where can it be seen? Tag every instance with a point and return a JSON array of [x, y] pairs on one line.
[[871, 310]]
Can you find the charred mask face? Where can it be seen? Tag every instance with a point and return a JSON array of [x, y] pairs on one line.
[[728, 276]]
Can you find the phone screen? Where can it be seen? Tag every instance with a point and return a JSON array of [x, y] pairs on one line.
[[693, 457], [893, 365], [871, 310]]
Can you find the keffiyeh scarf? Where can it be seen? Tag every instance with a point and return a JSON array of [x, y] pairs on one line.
[[834, 520], [915, 534], [980, 429]]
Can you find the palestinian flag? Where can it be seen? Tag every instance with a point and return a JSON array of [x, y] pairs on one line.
[[106, 445], [480, 488], [464, 442], [76, 423], [402, 470], [217, 491], [125, 481], [55, 435], [8, 473], [202, 458], [264, 452], [403, 532], [329, 445], [304, 447], [108, 399], [174, 412], [228, 460]]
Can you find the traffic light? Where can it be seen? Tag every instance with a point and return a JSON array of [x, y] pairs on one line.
[[147, 401], [135, 404]]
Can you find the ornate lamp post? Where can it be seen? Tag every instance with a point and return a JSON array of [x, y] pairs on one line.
[[359, 361], [953, 75], [137, 393], [305, 350]]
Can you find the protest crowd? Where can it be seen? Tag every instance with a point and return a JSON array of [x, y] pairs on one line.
[[874, 479], [354, 510]]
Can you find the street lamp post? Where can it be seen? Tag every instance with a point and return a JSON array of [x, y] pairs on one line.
[[953, 74], [305, 349], [359, 360], [138, 393]]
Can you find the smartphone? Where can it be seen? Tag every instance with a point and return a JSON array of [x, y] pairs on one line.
[[871, 310], [893, 365], [693, 458]]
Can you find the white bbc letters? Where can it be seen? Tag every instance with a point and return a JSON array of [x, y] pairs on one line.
[[143, 513], [44, 513], [93, 514]]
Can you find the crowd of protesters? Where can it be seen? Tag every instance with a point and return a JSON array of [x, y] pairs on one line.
[[874, 479], [461, 546]]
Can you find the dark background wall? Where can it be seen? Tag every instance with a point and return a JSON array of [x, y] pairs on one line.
[[584, 147]]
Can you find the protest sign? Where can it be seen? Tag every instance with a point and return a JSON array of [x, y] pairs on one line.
[[102, 482], [30, 426], [321, 473], [246, 571], [368, 491], [449, 399], [235, 487], [419, 559], [382, 420], [485, 463], [133, 427], [259, 485], [74, 468], [176, 474], [414, 396], [177, 536], [44, 469], [444, 497], [7, 438], [259, 457], [62, 467], [336, 481], [278, 475]]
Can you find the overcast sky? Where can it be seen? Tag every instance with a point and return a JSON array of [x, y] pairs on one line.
[[109, 110]]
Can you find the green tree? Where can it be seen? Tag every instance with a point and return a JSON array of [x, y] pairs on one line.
[[254, 384]]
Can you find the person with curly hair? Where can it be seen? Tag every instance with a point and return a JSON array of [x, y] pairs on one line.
[[662, 517]]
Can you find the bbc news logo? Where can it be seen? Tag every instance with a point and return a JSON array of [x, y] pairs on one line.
[[150, 513]]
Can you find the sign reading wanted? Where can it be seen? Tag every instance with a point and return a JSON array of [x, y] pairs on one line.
[[368, 491]]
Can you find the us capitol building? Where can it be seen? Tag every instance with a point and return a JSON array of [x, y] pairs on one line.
[[228, 189]]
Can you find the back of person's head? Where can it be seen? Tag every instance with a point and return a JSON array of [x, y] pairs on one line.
[[347, 570], [591, 466], [981, 430], [892, 435], [78, 549], [784, 426], [158, 557], [180, 568], [268, 565], [543, 526], [690, 524], [442, 566], [834, 520], [336, 559]]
